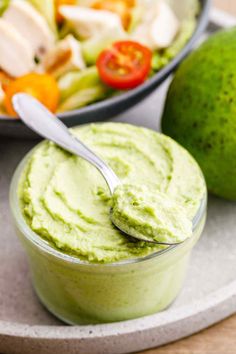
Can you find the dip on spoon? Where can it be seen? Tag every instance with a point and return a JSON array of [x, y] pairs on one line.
[[149, 215]]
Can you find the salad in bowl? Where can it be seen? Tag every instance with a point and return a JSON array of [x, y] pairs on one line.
[[71, 53]]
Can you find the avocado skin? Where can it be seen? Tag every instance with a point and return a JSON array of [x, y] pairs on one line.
[[200, 110]]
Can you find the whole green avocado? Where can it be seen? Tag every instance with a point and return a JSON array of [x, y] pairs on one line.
[[200, 110]]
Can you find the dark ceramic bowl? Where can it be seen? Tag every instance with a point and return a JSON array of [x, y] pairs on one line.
[[112, 106]]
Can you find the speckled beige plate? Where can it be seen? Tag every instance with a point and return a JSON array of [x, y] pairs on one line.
[[208, 296]]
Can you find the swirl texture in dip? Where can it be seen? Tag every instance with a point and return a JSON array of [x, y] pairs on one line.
[[66, 201]]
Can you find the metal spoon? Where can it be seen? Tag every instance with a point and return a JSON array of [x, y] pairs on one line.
[[39, 119]]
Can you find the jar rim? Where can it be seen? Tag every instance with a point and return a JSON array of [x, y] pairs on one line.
[[45, 246]]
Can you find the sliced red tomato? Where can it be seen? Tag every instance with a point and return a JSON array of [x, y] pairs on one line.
[[125, 65]]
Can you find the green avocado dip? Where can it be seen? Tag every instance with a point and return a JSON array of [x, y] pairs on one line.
[[150, 215], [66, 201]]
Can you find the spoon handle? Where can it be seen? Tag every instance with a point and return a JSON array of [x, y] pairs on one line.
[[42, 121]]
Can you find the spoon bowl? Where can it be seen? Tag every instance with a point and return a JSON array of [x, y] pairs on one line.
[[134, 237]]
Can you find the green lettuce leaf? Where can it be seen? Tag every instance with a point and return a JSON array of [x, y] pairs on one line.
[[47, 10], [3, 6], [79, 88]]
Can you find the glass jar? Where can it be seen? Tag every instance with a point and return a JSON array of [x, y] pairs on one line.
[[80, 292]]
